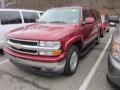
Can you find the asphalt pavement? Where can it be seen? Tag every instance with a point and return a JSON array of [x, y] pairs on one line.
[[12, 78]]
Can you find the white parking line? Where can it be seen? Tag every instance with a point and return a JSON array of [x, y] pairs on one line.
[[94, 68], [5, 61]]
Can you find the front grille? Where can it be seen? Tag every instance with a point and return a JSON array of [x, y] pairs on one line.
[[25, 42], [24, 50], [22, 43]]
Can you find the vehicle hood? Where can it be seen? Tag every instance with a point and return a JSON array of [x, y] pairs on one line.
[[8, 27], [42, 32]]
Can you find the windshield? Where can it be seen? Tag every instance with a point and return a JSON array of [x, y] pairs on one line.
[[63, 15]]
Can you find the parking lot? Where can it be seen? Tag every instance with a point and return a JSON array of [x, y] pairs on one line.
[[12, 78]]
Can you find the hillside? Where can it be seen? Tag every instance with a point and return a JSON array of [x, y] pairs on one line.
[[109, 6]]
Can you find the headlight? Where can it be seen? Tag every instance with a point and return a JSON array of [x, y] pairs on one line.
[[115, 49], [52, 48], [54, 44]]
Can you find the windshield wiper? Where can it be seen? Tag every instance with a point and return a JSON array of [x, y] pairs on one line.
[[57, 22]]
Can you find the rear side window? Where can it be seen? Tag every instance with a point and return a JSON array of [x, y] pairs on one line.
[[30, 17], [10, 17], [98, 15], [86, 14]]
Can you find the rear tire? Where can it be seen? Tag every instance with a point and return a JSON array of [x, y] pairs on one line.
[[108, 30], [101, 33], [107, 78], [98, 40], [111, 83], [71, 61]]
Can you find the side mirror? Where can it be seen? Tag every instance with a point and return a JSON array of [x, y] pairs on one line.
[[114, 19], [90, 20]]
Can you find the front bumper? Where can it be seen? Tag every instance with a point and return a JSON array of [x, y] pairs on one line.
[[2, 44], [113, 70], [57, 67]]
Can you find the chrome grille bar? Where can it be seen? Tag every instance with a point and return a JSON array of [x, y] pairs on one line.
[[23, 46]]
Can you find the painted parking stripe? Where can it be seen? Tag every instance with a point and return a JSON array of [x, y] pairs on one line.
[[5, 61], [94, 68]]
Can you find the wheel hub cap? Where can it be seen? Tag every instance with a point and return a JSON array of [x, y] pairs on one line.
[[73, 61]]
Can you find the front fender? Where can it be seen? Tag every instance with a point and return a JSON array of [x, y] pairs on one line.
[[71, 41]]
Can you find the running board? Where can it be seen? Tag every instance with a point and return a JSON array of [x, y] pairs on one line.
[[85, 51]]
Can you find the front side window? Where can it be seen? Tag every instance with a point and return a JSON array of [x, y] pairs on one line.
[[30, 17], [10, 17], [61, 15], [86, 14]]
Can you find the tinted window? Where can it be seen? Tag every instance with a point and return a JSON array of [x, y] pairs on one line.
[[10, 17], [30, 17], [86, 14]]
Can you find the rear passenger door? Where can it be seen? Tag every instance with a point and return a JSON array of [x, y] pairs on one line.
[[87, 28], [30, 17], [94, 26]]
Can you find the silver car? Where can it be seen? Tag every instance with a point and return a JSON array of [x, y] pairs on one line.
[[113, 74], [14, 18]]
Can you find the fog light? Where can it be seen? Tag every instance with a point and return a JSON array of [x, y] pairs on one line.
[[50, 53], [45, 53]]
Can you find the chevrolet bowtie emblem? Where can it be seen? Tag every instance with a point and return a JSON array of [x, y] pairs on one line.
[[18, 46]]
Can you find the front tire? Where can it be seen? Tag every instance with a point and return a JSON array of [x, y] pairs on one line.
[[71, 61]]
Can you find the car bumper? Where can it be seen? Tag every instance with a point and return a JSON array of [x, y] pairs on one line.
[[112, 24], [113, 70], [2, 44], [54, 67]]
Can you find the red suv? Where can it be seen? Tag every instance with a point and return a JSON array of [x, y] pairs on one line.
[[105, 24], [56, 42]]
